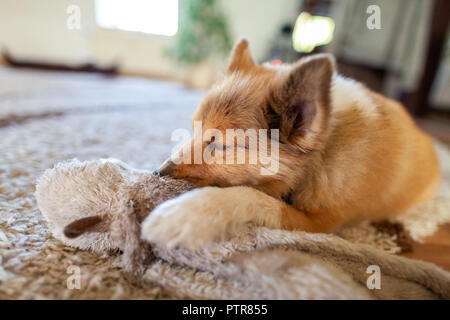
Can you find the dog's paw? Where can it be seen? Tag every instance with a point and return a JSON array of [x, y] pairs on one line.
[[195, 219]]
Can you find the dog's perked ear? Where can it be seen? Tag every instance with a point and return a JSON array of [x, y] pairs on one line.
[[300, 105], [240, 57]]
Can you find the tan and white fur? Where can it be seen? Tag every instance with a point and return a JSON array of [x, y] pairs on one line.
[[346, 154]]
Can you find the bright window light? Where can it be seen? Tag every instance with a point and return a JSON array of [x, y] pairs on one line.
[[149, 16], [312, 31]]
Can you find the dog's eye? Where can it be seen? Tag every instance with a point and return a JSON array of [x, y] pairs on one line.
[[210, 143], [217, 146], [243, 146], [273, 119]]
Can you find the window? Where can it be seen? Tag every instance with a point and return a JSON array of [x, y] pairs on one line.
[[149, 16]]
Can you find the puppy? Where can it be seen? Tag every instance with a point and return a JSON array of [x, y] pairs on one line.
[[344, 153]]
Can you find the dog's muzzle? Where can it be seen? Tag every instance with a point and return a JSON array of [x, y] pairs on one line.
[[166, 168]]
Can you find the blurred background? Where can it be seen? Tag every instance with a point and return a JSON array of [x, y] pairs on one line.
[[400, 48]]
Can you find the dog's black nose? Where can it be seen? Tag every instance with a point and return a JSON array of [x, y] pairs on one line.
[[155, 173], [166, 168]]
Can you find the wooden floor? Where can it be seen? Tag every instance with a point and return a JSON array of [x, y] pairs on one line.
[[435, 248]]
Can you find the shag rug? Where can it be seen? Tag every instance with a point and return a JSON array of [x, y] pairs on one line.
[[46, 118]]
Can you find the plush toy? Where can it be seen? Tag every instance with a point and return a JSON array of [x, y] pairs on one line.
[[99, 205]]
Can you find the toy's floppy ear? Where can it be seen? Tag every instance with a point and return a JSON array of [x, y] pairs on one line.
[[240, 58], [78, 227]]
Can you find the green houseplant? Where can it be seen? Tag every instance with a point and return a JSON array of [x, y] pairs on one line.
[[203, 34]]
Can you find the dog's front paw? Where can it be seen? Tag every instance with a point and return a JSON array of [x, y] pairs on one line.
[[195, 219]]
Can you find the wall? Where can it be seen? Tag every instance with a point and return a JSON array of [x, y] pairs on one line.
[[259, 21], [37, 29]]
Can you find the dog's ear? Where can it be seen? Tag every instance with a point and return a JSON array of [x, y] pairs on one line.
[[300, 104], [240, 58]]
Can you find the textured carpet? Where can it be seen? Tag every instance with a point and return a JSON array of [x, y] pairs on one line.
[[126, 118]]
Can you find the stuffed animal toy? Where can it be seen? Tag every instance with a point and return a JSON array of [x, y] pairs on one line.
[[99, 205]]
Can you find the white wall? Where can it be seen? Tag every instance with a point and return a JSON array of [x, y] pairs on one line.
[[37, 29], [259, 20]]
